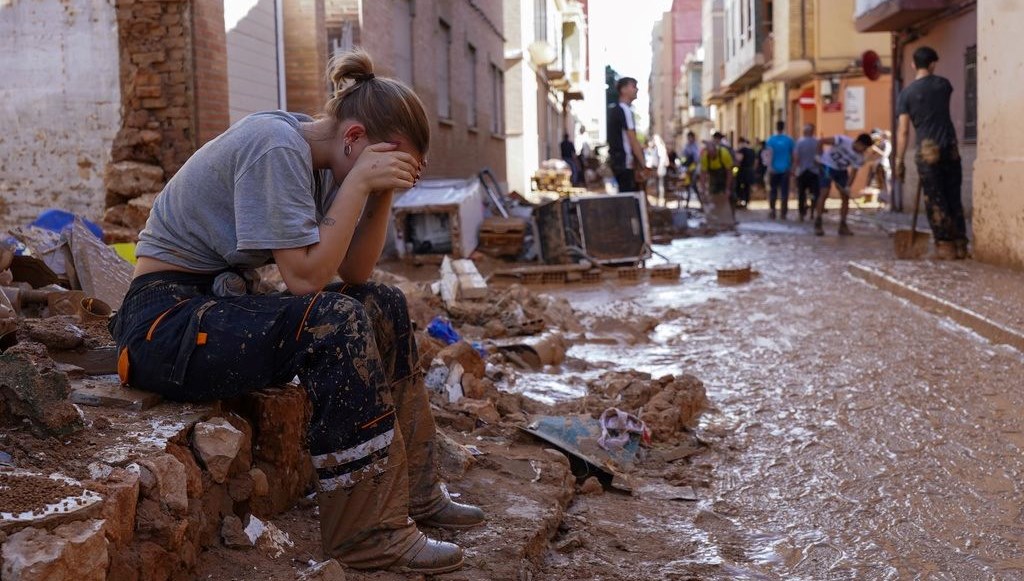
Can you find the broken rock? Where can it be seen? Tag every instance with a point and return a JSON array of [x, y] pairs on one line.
[[31, 389], [233, 533], [120, 497], [162, 478], [464, 354], [75, 551], [327, 571], [217, 442]]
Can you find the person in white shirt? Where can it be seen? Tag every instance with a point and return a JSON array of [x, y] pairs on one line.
[[844, 154]]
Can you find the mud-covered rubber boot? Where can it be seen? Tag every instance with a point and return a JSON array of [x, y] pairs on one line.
[[819, 229], [844, 230], [366, 524], [453, 515], [429, 501], [429, 557]]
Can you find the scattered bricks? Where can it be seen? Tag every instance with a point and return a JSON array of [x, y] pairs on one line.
[[232, 533], [553, 277], [327, 571], [592, 275], [216, 504], [163, 479], [629, 273], [217, 443], [120, 497], [533, 277], [131, 179], [666, 271], [463, 353], [74, 551], [36, 393], [193, 475]]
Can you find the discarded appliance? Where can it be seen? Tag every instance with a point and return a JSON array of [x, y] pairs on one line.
[[609, 229], [439, 216]]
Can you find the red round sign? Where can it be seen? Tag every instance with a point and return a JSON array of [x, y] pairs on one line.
[[872, 65], [807, 99]]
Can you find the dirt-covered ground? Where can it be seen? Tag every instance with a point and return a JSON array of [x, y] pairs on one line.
[[849, 434]]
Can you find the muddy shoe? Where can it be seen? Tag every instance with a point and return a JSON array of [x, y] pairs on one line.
[[454, 516], [961, 251], [819, 230], [844, 230], [944, 250], [429, 557], [771, 215]]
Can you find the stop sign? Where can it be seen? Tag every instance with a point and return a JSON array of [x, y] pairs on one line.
[[807, 99]]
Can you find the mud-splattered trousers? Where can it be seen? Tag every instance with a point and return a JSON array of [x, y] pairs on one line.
[[941, 175], [354, 351]]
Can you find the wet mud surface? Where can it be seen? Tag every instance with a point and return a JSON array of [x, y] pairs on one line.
[[851, 435]]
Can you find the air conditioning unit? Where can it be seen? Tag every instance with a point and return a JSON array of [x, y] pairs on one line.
[[609, 229]]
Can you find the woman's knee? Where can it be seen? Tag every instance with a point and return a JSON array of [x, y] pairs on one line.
[[334, 314]]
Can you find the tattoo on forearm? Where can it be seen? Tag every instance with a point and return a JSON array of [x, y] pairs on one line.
[[328, 221]]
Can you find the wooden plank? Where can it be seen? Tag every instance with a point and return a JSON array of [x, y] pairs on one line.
[[111, 395], [99, 361]]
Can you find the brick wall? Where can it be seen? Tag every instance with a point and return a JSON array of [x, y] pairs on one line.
[[305, 37], [457, 150], [210, 70], [158, 131]]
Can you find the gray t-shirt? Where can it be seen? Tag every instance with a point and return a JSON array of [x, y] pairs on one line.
[[807, 152], [247, 192]]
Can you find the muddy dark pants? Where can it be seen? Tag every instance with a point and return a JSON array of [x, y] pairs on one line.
[[354, 351], [807, 188], [940, 182]]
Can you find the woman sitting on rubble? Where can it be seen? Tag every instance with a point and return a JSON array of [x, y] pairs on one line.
[[313, 196]]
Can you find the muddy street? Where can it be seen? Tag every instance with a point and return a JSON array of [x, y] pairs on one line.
[[852, 435]]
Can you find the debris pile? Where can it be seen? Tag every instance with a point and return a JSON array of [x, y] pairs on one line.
[[668, 404]]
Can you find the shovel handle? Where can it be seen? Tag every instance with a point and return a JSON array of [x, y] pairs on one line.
[[917, 205]]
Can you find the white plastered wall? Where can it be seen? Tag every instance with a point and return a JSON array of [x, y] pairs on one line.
[[60, 106]]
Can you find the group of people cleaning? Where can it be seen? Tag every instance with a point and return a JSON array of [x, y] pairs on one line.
[[720, 170]]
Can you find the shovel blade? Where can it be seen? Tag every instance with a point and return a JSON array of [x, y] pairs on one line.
[[911, 244]]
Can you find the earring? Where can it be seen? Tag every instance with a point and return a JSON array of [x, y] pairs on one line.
[[348, 149]]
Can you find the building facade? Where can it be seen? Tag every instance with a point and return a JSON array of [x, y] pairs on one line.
[[673, 40], [546, 58]]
